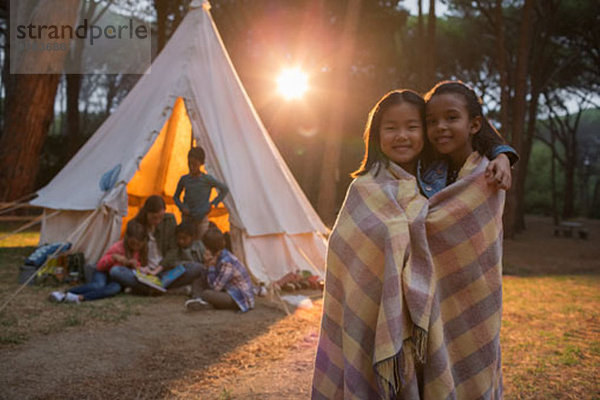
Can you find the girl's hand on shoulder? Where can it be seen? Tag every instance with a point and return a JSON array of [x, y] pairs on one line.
[[498, 172]]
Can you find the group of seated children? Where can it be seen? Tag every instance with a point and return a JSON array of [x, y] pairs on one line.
[[221, 280], [218, 279]]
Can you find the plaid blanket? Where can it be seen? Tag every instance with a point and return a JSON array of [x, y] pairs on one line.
[[378, 290], [407, 315], [464, 230]]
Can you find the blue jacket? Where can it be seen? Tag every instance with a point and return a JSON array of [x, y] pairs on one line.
[[434, 178]]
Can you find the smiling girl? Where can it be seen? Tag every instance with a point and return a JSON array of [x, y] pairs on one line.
[[379, 280], [456, 127], [464, 232]]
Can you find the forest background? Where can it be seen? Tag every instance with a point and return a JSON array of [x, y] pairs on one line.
[[535, 63]]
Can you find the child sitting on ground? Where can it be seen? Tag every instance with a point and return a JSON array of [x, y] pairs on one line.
[[187, 249], [227, 284], [131, 252], [197, 185], [188, 254]]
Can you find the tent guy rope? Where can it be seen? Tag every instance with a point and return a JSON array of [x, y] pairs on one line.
[[68, 239], [28, 225]]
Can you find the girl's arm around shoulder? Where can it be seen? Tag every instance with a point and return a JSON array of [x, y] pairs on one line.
[[498, 172], [505, 149]]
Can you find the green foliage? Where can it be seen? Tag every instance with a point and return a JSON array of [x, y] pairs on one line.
[[538, 186], [538, 194]]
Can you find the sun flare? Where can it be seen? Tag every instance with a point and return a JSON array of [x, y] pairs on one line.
[[292, 83]]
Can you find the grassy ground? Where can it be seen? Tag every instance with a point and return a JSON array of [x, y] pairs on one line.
[[551, 337], [550, 332], [29, 314]]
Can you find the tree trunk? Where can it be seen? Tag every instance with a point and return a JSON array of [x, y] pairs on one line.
[[30, 106], [553, 178], [331, 157], [430, 62], [7, 78], [569, 199], [584, 195], [420, 56], [519, 187], [570, 164], [524, 159], [28, 117], [73, 82], [502, 69], [162, 10], [595, 200], [518, 119]]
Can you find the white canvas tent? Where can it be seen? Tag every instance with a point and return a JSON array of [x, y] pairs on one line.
[[192, 87]]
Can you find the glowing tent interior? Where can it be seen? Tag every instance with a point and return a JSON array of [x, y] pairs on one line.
[[192, 94]]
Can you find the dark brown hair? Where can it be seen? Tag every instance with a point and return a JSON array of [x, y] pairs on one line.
[[137, 231], [186, 228], [214, 240], [152, 204], [197, 153], [487, 137], [371, 137]]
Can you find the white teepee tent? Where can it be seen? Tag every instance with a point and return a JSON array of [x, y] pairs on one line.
[[192, 87]]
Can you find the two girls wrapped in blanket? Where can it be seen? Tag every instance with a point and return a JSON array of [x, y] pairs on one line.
[[413, 290]]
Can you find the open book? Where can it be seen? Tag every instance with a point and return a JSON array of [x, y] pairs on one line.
[[149, 280], [172, 274]]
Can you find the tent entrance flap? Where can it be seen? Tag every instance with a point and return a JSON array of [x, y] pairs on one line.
[[164, 164]]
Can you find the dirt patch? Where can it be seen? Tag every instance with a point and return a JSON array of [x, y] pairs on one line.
[[537, 251], [149, 348], [165, 352]]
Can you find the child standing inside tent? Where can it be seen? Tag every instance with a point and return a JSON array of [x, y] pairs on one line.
[[197, 186], [131, 252]]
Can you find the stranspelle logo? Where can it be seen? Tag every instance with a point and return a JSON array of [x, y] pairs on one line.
[[84, 31], [73, 39]]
